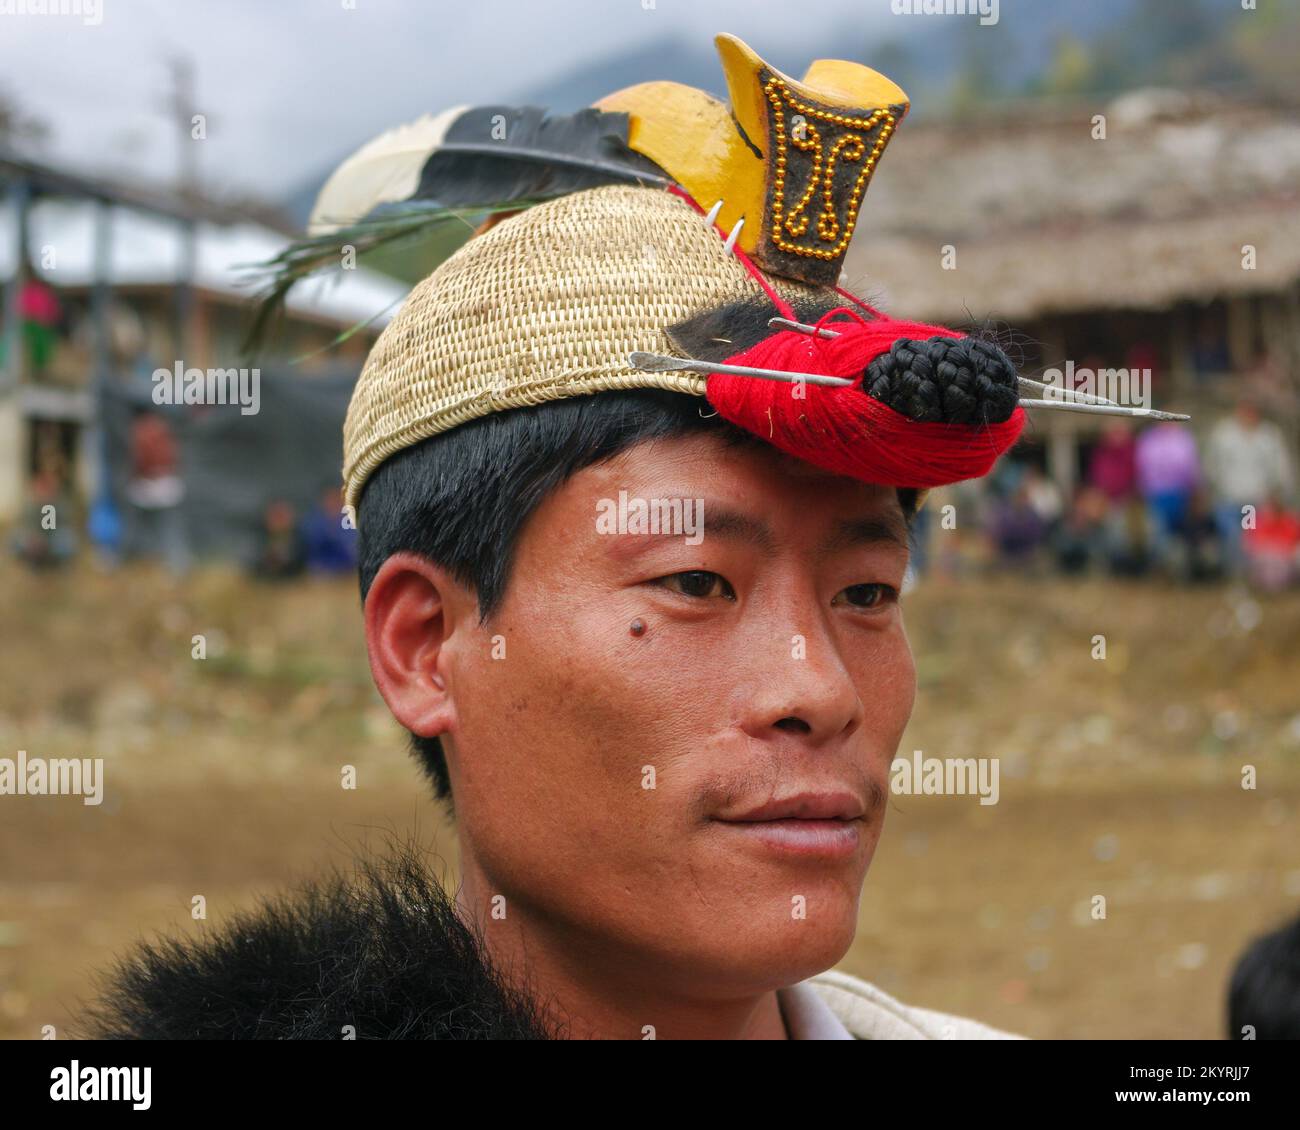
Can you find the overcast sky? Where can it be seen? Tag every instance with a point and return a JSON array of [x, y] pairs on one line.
[[288, 86]]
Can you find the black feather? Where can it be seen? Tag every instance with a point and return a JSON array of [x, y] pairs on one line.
[[505, 153]]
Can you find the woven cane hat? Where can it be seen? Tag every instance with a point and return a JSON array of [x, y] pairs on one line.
[[547, 304]]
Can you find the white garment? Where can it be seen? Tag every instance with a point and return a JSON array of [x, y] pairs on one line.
[[157, 493], [836, 1006], [1248, 464], [807, 1016]]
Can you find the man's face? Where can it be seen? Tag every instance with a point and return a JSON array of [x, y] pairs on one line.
[[612, 784]]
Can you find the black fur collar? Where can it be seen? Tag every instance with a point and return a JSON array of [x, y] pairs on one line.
[[379, 956]]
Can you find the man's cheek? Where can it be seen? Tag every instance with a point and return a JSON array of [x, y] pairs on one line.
[[558, 721], [890, 680], [905, 696], [886, 685]]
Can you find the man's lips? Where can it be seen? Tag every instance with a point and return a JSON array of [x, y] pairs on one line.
[[838, 805], [825, 825]]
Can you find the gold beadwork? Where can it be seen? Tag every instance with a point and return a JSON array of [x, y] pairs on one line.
[[849, 147]]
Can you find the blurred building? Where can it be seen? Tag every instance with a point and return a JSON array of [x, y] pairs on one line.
[[104, 283], [1159, 231]]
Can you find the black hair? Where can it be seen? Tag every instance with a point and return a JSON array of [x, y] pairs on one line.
[[461, 498], [1264, 994]]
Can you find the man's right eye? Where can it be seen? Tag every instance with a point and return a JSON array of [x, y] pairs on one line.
[[698, 583]]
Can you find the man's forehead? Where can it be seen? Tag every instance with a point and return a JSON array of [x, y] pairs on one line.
[[747, 491], [704, 457]]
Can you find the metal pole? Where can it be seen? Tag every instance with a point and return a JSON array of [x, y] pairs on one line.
[[20, 196], [102, 365], [184, 296]]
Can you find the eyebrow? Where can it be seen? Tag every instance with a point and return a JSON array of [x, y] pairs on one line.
[[736, 525], [869, 531]]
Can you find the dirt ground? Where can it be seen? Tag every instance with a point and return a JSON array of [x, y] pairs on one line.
[[1120, 777]]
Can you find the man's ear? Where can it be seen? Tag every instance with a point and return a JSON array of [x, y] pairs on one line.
[[412, 608]]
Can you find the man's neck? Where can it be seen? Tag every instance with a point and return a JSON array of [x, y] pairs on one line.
[[587, 994]]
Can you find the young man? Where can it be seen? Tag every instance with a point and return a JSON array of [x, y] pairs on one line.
[[631, 556]]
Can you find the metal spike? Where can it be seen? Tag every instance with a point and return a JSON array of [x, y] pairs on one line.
[[731, 239], [712, 217], [658, 363], [1103, 409], [1026, 382], [1069, 394], [799, 327]]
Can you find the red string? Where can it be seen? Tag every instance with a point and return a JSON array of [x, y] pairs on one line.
[[842, 429], [854, 298]]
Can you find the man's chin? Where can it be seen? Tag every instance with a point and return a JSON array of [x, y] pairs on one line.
[[748, 946], [765, 960]]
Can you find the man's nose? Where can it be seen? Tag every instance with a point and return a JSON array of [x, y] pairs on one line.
[[803, 687]]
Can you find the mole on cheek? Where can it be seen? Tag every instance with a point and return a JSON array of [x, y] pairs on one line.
[[637, 628]]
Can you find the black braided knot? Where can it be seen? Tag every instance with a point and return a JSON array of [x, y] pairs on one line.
[[951, 380]]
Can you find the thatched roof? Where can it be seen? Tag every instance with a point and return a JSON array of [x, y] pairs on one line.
[[1045, 219]]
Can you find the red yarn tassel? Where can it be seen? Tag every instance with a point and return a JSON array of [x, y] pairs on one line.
[[843, 430]]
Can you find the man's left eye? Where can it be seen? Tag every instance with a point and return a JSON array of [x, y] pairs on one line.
[[866, 595]]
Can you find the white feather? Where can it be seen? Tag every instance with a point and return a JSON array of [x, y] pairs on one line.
[[384, 170]]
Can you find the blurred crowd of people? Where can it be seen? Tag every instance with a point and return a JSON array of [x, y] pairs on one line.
[[315, 542], [149, 522], [1150, 502]]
